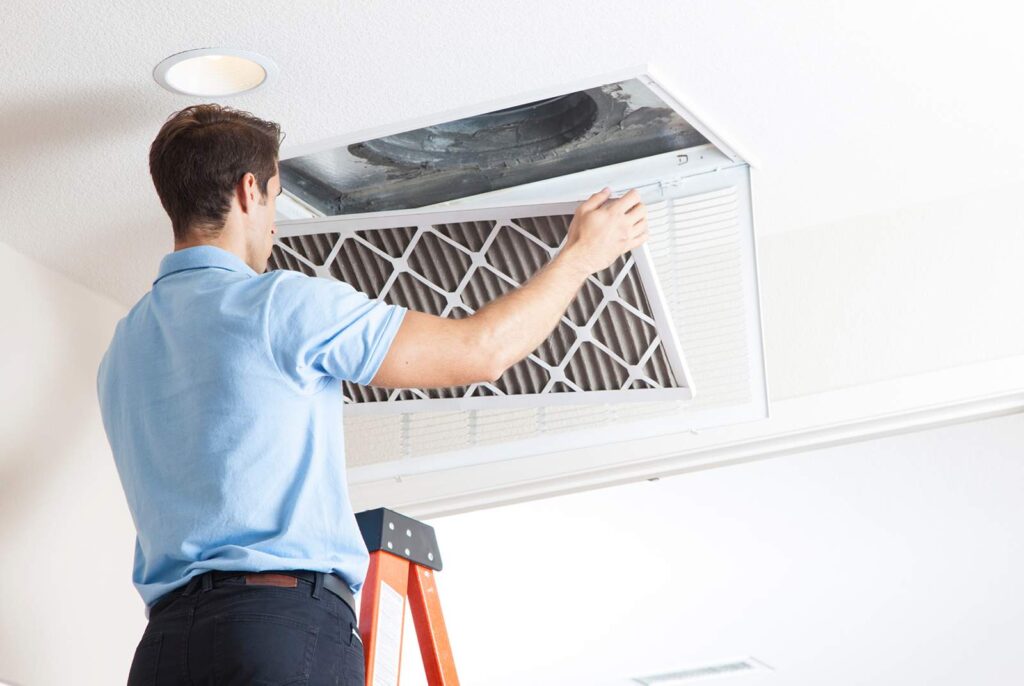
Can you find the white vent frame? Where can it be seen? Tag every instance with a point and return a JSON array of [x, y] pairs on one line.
[[348, 225]]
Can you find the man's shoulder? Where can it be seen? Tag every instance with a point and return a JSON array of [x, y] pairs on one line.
[[139, 309], [276, 283], [287, 276], [289, 283]]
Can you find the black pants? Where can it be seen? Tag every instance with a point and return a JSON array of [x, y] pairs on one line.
[[226, 632]]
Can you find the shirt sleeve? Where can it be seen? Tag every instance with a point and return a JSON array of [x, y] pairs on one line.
[[319, 327]]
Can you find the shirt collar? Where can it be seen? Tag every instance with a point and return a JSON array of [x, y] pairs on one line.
[[200, 256]]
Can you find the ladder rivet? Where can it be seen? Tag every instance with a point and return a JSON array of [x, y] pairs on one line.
[[390, 546], [391, 525], [408, 532], [406, 551], [430, 556]]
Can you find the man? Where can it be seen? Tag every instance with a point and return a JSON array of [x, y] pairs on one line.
[[220, 395]]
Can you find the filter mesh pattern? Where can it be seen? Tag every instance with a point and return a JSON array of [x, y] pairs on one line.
[[607, 341]]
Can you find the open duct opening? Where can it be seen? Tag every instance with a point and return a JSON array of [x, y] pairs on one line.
[[526, 132], [503, 148]]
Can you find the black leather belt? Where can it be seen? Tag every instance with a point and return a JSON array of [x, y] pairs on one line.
[[288, 579]]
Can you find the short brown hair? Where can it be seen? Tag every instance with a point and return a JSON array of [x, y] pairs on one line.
[[200, 155]]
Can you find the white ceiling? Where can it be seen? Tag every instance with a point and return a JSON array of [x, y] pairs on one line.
[[845, 108], [892, 562]]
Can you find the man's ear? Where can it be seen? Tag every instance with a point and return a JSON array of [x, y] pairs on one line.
[[248, 192]]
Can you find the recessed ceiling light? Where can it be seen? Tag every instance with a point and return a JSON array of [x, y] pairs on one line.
[[214, 72]]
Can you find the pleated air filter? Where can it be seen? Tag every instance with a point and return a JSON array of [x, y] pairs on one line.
[[615, 341]]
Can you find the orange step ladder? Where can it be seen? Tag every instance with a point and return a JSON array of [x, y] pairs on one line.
[[403, 561]]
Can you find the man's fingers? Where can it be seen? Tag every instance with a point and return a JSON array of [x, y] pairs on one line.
[[626, 202], [637, 213], [638, 240], [638, 228], [594, 201]]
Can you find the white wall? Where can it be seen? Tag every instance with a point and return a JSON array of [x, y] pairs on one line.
[[893, 562], [68, 611]]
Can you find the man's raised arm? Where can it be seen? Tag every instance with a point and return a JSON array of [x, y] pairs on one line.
[[430, 351]]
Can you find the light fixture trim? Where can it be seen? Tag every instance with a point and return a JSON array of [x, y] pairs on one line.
[[164, 72]]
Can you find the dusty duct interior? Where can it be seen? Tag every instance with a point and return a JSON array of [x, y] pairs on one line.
[[607, 340], [540, 140]]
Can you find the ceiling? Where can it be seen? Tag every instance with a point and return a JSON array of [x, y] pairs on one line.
[[893, 562], [844, 108]]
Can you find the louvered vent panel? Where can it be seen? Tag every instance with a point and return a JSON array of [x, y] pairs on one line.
[[697, 252], [608, 341]]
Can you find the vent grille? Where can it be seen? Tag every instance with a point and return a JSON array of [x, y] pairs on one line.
[[687, 675], [702, 248], [609, 340]]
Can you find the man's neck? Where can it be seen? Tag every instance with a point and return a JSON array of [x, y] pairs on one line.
[[231, 241]]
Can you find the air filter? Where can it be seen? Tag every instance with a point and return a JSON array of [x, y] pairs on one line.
[[615, 341]]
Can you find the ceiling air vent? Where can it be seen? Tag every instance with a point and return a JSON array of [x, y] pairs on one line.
[[733, 668], [615, 341], [445, 212]]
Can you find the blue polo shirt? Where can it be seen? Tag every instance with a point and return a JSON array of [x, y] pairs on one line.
[[221, 398]]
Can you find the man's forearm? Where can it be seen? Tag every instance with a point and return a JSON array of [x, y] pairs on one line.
[[513, 325]]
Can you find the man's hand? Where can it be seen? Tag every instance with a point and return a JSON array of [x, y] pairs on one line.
[[430, 351], [601, 230]]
